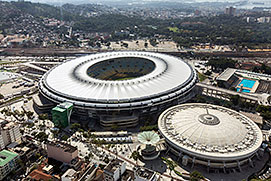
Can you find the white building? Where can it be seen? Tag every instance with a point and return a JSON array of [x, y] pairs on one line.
[[9, 133], [69, 175], [264, 19], [114, 170], [210, 135], [143, 174]]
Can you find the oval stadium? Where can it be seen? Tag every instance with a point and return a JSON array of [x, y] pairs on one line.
[[118, 88], [210, 135]]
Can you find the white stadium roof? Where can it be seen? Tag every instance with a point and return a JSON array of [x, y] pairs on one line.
[[210, 132], [70, 81]]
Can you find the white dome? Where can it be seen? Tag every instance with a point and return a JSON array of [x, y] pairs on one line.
[[210, 131]]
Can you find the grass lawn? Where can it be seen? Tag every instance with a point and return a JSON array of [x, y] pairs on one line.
[[174, 29]]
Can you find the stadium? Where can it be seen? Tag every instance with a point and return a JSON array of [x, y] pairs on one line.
[[210, 135], [118, 88]]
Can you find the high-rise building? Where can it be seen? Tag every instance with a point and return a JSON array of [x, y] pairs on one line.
[[61, 114], [8, 162], [9, 133], [230, 11]]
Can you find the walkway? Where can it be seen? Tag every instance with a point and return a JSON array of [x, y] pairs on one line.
[[129, 161], [218, 92]]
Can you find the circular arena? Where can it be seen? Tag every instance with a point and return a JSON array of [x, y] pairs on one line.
[[210, 135], [119, 87]]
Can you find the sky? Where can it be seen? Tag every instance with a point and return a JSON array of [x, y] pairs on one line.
[[91, 1]]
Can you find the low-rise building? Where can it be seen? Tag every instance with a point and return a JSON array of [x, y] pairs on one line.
[[39, 175], [62, 152], [144, 174], [114, 170], [27, 150], [8, 162], [48, 169], [42, 173], [25, 153], [69, 175]]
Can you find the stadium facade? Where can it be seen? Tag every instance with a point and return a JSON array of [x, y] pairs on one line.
[[120, 87], [210, 135]]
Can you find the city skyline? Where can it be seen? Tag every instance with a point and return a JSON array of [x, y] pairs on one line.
[[266, 2]]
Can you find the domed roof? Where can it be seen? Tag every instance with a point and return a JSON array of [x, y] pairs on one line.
[[148, 137], [210, 130]]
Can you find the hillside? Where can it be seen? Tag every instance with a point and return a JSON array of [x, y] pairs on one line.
[[104, 21]]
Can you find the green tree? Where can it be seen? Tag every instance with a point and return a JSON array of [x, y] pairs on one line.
[[265, 112], [170, 164], [196, 176], [29, 114], [42, 136], [135, 155], [75, 126], [235, 99], [65, 137], [43, 116]]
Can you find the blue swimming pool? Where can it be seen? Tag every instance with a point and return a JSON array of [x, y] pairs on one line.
[[243, 90], [247, 83]]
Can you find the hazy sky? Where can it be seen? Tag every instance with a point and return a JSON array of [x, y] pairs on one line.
[[267, 2], [90, 1]]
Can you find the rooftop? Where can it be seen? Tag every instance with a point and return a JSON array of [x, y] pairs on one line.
[[128, 175], [148, 137], [113, 165], [144, 173], [6, 156], [71, 78], [65, 105], [39, 175], [67, 147], [58, 109], [69, 173], [8, 124], [226, 75], [48, 168], [212, 131]]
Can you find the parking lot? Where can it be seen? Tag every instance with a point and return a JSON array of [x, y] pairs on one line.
[[14, 87]]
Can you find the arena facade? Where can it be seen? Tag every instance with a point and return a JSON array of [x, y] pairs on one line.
[[210, 135], [119, 87]]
